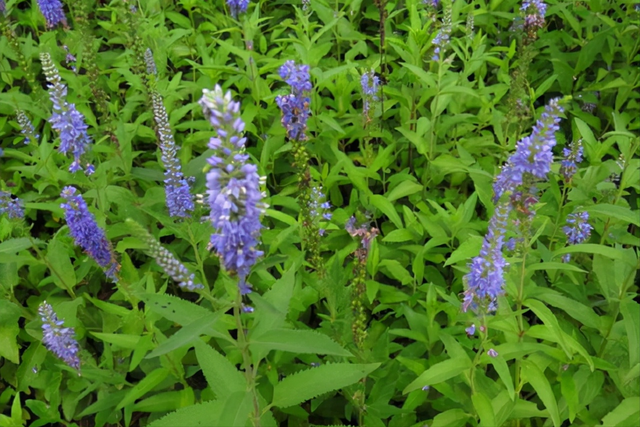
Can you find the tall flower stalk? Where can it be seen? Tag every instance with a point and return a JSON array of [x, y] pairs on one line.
[[56, 338], [485, 280], [66, 119], [86, 232], [165, 259], [233, 188], [52, 12]]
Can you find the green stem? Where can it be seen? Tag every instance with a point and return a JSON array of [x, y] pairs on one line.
[[249, 370]]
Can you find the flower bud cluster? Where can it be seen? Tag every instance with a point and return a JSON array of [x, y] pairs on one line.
[[56, 338]]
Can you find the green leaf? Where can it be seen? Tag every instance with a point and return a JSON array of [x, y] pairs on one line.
[[404, 189], [451, 418], [9, 329], [237, 409], [147, 384], [624, 415], [64, 276], [305, 385], [570, 394], [223, 378], [439, 372], [483, 408], [578, 311], [387, 208], [540, 384], [167, 401], [396, 271], [550, 265], [185, 335], [592, 248], [550, 320], [631, 315], [299, 341], [467, 250], [201, 415], [12, 246], [121, 340], [606, 211], [173, 308], [500, 365]]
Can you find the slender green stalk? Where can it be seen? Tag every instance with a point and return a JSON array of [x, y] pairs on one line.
[[250, 371]]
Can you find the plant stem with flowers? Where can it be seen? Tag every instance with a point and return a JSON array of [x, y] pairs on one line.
[[236, 202]]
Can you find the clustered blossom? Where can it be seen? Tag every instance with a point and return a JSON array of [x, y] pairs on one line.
[[370, 86], [572, 155], [3, 6], [86, 232], [441, 40], [485, 280], [149, 62], [295, 106], [11, 206], [367, 234], [237, 6], [178, 196], [319, 209], [165, 259], [534, 12], [26, 127], [233, 187], [533, 156], [66, 119], [57, 339], [52, 12], [578, 230]]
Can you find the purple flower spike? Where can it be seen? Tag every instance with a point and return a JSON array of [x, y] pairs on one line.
[[485, 281], [86, 232], [572, 155], [66, 119], [59, 340], [52, 12], [237, 7], [578, 230], [295, 106], [533, 156], [370, 85], [534, 12], [233, 186], [178, 195], [11, 206]]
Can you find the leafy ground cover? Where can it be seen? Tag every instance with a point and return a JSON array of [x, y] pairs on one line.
[[365, 213]]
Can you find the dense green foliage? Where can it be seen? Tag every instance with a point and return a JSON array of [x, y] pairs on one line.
[[339, 333]]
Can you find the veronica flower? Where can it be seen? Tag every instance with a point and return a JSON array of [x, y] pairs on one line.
[[370, 84], [165, 259], [52, 12], [178, 197], [149, 62], [578, 230], [59, 340], [471, 330], [295, 106], [10, 205], [440, 41], [492, 353], [26, 127], [534, 12], [237, 6], [485, 280], [66, 119], [318, 207], [572, 155], [233, 187], [367, 234], [533, 156], [3, 6], [86, 232]]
